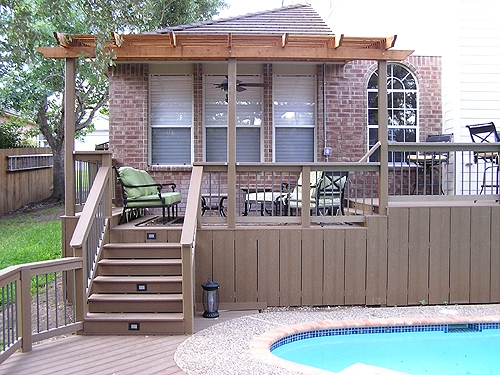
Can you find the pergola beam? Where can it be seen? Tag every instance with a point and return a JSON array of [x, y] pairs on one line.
[[204, 47], [219, 53]]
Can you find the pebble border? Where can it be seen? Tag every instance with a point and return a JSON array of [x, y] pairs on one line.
[[260, 347]]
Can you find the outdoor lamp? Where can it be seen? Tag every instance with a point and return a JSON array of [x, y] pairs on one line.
[[210, 299]]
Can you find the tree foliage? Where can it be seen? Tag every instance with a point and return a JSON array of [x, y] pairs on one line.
[[15, 133], [34, 86]]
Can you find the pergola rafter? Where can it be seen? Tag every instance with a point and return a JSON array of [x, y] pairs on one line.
[[219, 47]]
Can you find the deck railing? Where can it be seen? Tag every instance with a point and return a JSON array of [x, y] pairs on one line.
[[444, 171], [36, 303], [434, 171], [188, 244], [269, 193], [86, 166], [92, 226]]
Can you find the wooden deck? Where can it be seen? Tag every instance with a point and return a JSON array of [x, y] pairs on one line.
[[118, 355]]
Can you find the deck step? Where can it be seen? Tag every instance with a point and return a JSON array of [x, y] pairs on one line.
[[137, 290], [137, 284], [133, 267], [135, 303], [146, 250], [134, 323]]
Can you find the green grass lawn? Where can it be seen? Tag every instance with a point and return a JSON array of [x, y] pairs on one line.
[[25, 239]]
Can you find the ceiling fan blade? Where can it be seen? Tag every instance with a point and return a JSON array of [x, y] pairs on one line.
[[254, 84]]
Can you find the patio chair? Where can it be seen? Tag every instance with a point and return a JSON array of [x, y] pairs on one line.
[[486, 133], [431, 160], [139, 191], [326, 193]]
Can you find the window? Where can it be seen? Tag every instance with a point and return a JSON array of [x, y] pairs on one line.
[[248, 120], [171, 119], [294, 117], [402, 106]]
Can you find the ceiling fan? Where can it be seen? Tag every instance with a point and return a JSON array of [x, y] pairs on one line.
[[240, 86]]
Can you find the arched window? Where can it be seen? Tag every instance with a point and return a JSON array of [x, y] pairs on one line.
[[402, 106]]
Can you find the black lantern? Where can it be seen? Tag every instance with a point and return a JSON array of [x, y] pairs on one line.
[[210, 299]]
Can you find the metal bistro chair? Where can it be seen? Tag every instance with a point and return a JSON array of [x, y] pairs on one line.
[[326, 193], [486, 133], [431, 161]]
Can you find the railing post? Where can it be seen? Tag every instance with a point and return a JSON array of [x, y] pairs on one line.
[[306, 197], [187, 287], [188, 243], [25, 309], [81, 285], [69, 136], [231, 144], [383, 187], [107, 162]]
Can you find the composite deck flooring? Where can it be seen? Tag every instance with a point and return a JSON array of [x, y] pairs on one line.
[[106, 355]]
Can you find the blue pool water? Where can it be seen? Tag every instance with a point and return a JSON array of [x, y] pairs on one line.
[[416, 353]]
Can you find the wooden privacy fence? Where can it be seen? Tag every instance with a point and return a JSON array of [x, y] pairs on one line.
[[25, 176], [415, 255]]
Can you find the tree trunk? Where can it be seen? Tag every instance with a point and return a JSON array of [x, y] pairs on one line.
[[59, 185], [56, 143]]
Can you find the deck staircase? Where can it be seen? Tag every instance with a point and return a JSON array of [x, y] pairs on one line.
[[137, 290]]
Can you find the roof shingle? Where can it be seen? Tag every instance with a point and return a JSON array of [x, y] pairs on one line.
[[293, 19]]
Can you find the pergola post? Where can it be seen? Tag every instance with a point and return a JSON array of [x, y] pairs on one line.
[[231, 143], [383, 192], [69, 136]]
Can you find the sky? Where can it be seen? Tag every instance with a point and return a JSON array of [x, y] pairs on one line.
[[419, 28]]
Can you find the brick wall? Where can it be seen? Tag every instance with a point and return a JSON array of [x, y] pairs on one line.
[[128, 114], [346, 98], [346, 111]]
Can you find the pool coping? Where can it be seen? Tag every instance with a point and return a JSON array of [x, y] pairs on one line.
[[260, 346]]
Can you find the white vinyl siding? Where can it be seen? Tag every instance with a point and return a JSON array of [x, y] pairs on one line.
[[248, 120], [171, 119], [294, 117]]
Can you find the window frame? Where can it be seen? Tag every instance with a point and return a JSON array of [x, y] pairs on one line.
[[372, 111], [313, 115], [152, 126]]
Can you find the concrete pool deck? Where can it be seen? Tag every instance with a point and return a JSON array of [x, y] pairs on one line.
[[241, 345]]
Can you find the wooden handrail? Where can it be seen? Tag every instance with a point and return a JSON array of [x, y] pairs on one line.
[[188, 238], [192, 207], [370, 152], [96, 192]]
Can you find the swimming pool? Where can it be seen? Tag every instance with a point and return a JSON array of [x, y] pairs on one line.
[[445, 346], [464, 350]]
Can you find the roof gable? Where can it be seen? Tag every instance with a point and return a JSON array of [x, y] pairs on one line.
[[293, 19]]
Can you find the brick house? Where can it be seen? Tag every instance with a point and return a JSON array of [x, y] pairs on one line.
[[266, 98], [140, 132]]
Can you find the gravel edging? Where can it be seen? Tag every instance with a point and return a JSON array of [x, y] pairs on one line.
[[224, 348]]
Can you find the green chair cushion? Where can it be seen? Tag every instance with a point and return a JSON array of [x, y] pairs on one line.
[[134, 177], [153, 200]]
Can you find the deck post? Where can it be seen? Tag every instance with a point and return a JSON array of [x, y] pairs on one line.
[[306, 197], [24, 312], [383, 138], [231, 143], [107, 162], [69, 136], [81, 285]]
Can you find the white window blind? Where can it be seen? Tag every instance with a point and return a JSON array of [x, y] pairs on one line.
[[248, 120], [171, 118], [294, 117]]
